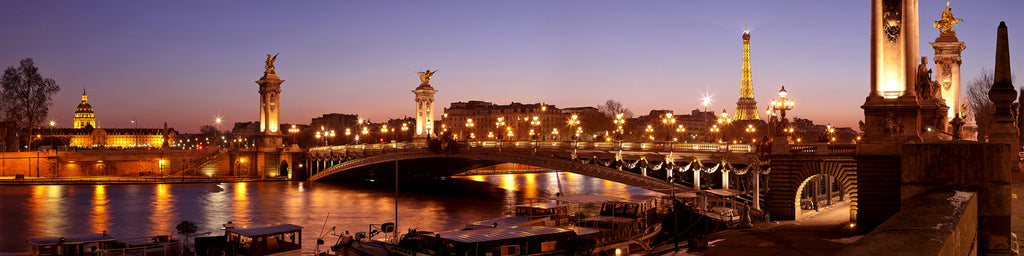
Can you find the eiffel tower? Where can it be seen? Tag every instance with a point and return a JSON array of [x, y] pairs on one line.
[[746, 107]]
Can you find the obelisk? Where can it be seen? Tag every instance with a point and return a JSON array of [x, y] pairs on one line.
[[994, 222]]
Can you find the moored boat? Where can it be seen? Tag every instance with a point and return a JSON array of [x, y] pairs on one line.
[[516, 240], [101, 245], [276, 240]]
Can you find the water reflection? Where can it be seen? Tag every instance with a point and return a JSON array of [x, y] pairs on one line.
[[100, 217], [163, 219], [47, 203], [130, 211], [240, 204]]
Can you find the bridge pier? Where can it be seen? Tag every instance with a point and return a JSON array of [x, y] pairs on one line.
[[725, 178], [696, 178]]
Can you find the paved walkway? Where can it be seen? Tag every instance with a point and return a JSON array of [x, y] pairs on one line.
[[824, 233]]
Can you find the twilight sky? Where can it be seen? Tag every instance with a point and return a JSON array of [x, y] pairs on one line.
[[185, 62]]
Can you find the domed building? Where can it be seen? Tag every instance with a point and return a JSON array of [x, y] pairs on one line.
[[86, 134], [84, 116]]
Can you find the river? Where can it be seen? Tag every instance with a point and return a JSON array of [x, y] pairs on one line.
[[145, 210]]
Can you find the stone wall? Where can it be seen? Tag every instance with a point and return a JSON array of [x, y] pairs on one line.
[[937, 222], [131, 163]]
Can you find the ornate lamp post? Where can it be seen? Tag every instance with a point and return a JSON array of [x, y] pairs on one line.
[[831, 132], [669, 120], [405, 129], [782, 104], [469, 128], [331, 135], [650, 132], [574, 120], [706, 101], [751, 132], [365, 132], [348, 132], [724, 120], [619, 122], [383, 133]]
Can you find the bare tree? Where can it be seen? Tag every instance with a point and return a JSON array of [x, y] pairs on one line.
[[611, 107], [27, 95], [978, 101], [209, 131]]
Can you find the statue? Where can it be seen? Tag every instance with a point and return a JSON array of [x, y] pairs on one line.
[[425, 76], [270, 65], [966, 112], [925, 88], [945, 25]]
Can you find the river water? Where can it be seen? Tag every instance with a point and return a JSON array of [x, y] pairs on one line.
[[135, 211]]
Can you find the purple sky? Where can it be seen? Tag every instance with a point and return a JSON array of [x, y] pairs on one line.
[[186, 62]]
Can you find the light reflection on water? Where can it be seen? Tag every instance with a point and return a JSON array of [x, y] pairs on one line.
[[134, 211], [100, 218]]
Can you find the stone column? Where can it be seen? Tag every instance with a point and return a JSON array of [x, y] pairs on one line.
[[725, 179], [696, 178], [947, 70], [757, 189]]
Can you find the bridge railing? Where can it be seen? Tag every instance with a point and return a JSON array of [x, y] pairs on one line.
[[823, 149], [568, 145]]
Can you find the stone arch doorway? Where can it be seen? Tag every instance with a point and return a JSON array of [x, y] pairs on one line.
[[789, 176], [283, 171], [818, 193]]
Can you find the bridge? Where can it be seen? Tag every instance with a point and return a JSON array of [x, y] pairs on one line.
[[646, 165]]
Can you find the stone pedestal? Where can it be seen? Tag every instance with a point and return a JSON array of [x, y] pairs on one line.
[[780, 145]]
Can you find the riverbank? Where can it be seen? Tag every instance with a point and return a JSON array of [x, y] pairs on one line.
[[100, 180]]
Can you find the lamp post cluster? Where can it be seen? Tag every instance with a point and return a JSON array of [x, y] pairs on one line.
[[782, 104]]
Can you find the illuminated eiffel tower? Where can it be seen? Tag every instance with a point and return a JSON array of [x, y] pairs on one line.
[[746, 107]]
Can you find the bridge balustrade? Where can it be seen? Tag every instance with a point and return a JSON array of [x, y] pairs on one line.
[[584, 145], [823, 149]]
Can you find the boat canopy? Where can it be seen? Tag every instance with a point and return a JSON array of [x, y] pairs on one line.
[[495, 234], [74, 239], [583, 199], [264, 231], [724, 192]]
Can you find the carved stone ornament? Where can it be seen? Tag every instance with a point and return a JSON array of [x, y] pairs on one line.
[[892, 19], [891, 126]]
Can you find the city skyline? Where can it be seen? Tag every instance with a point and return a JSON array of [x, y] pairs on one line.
[[186, 64]]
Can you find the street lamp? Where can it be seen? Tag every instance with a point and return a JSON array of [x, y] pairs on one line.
[[831, 131], [619, 122], [782, 104], [348, 132], [724, 120], [650, 132], [669, 120], [405, 129], [469, 127], [706, 101], [750, 131], [535, 123]]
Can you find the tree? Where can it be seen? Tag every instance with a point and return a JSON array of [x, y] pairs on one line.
[[611, 107], [978, 101], [27, 95], [187, 228], [209, 131]]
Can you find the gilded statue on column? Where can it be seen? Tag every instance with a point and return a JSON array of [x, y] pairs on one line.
[[270, 65], [945, 25], [425, 76]]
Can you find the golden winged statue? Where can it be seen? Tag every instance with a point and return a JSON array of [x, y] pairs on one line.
[[270, 64], [425, 76], [945, 25]]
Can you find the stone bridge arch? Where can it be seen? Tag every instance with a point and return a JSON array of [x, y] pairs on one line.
[[408, 161], [790, 172]]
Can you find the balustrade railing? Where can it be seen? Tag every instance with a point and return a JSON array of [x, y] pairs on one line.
[[568, 145]]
